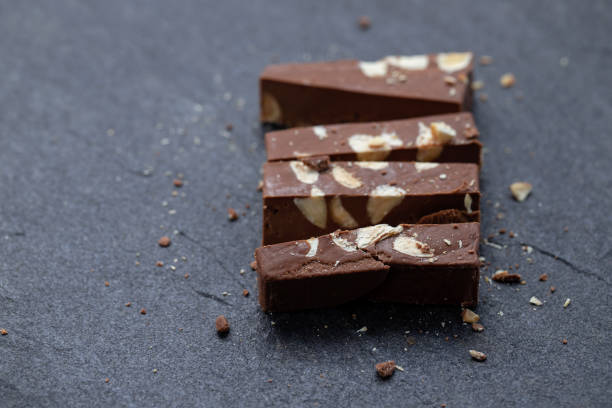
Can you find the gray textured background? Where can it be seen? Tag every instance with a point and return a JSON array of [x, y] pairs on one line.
[[79, 207]]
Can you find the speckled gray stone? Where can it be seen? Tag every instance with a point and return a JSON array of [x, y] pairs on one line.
[[105, 102]]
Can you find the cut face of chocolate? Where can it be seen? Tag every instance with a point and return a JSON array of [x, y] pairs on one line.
[[393, 87], [300, 202], [415, 264]]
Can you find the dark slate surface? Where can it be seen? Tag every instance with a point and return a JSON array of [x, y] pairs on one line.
[[80, 205]]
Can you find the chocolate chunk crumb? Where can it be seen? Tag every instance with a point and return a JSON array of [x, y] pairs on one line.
[[229, 127], [177, 183], [364, 23], [385, 369], [477, 355], [552, 289], [253, 265], [502, 231], [3, 332], [543, 277], [245, 293], [107, 380], [128, 304], [222, 325], [477, 327], [143, 311], [159, 263], [505, 277], [186, 276], [164, 242], [564, 341], [232, 215], [318, 163], [106, 283]]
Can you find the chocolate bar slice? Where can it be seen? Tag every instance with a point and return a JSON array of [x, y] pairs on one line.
[[394, 87], [415, 264], [300, 201], [441, 138]]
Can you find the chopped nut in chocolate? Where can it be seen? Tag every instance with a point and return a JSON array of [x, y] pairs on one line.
[[222, 325], [385, 369]]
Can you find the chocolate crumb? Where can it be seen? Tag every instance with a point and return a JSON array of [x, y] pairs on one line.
[[164, 242], [3, 332], [106, 283], [222, 325], [364, 23], [477, 327], [177, 183], [511, 234], [543, 277], [232, 215], [245, 293], [159, 264], [385, 369], [186, 276], [317, 163], [143, 311], [229, 127], [477, 355], [552, 289], [505, 277], [483, 97], [253, 265], [502, 231], [564, 341], [128, 304], [107, 380]]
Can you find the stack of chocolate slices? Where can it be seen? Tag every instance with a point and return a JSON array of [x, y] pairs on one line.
[[372, 191]]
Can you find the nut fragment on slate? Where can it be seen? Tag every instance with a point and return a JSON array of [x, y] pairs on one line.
[[164, 242], [486, 60], [505, 277], [535, 301], [477, 355], [520, 190], [469, 316], [385, 369], [567, 302], [232, 215], [364, 23], [222, 325], [477, 327], [507, 80]]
